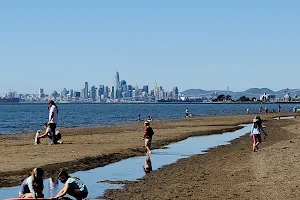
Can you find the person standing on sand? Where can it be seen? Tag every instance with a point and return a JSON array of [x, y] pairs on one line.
[[279, 108], [53, 116], [148, 136], [186, 112], [32, 187]]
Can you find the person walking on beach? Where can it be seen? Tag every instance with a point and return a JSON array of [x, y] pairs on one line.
[[32, 187], [255, 134], [148, 136], [73, 186], [260, 126], [279, 108], [53, 116], [261, 110], [247, 111], [186, 112]]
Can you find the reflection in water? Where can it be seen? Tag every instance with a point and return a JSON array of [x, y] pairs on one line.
[[148, 165], [53, 186]]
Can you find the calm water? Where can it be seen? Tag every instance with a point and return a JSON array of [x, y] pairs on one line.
[[30, 117], [131, 168]]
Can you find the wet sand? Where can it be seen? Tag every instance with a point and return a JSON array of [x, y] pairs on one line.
[[87, 148], [229, 172]]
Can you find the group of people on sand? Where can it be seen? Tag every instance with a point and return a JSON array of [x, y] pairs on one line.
[[50, 126], [32, 186], [256, 130]]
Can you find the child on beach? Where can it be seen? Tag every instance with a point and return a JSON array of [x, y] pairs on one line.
[[148, 136], [261, 127], [255, 134], [73, 186], [48, 133], [32, 187]]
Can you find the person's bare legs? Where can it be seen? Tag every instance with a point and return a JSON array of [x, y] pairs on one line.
[[147, 145]]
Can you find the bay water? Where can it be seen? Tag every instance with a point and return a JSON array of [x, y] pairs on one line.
[[25, 117]]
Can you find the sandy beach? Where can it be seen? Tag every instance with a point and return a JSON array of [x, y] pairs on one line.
[[231, 171]]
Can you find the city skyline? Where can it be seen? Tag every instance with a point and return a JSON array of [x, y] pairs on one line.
[[199, 44]]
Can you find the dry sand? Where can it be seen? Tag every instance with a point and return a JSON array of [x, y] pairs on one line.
[[228, 171]]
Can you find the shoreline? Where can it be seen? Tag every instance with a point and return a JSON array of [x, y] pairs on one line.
[[230, 171], [88, 148]]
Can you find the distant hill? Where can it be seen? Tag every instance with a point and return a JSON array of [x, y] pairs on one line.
[[251, 92], [259, 91]]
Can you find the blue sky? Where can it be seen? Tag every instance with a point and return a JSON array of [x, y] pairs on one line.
[[189, 44]]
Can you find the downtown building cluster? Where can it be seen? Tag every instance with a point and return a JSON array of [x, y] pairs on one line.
[[119, 92]]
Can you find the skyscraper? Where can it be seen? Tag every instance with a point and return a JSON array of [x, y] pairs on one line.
[[41, 93], [86, 90], [146, 89], [93, 92], [117, 83], [175, 93]]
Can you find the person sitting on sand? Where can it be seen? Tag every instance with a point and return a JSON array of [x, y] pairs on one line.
[[32, 187], [149, 118], [48, 133], [148, 136], [148, 165], [73, 186]]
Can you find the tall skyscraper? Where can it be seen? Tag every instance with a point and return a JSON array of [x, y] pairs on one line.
[[100, 90], [41, 93], [112, 92], [93, 92], [175, 93], [117, 84], [86, 90]]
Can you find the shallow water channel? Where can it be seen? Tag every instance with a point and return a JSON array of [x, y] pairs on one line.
[[131, 169]]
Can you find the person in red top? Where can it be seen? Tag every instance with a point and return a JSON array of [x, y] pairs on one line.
[[148, 136]]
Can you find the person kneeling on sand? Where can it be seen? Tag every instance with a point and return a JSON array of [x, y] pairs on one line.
[[73, 186], [32, 187], [148, 136], [48, 133]]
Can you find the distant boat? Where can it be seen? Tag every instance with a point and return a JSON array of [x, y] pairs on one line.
[[63, 102], [9, 100]]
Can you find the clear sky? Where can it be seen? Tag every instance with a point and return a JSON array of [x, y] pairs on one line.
[[189, 44]]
